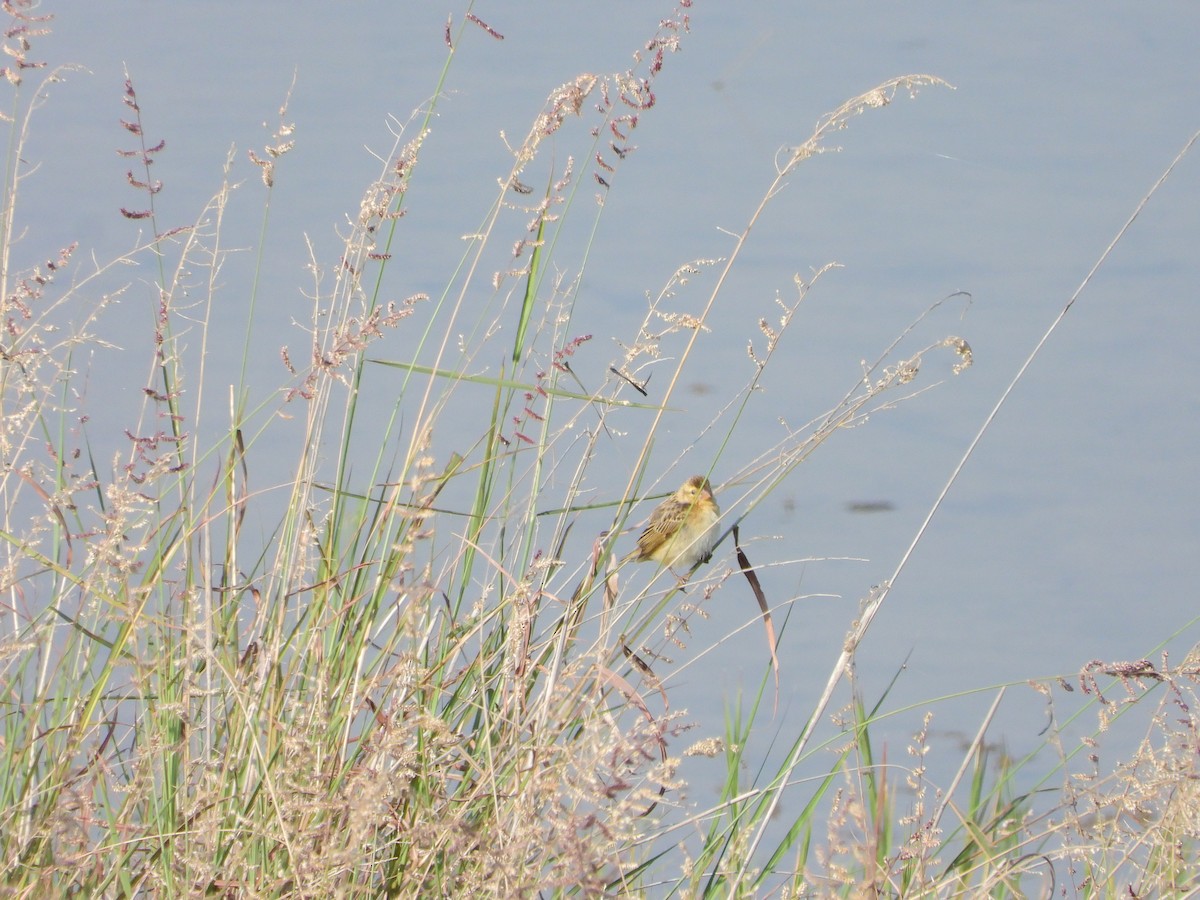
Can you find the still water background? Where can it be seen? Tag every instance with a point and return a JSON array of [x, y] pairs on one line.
[[1072, 533]]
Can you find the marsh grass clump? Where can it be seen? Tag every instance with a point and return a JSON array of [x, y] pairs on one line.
[[429, 673]]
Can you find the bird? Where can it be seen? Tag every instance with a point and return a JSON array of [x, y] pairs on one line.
[[682, 529]]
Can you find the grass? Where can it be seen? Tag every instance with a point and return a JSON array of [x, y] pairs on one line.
[[430, 675]]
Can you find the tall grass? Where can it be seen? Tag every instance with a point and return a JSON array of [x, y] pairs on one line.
[[431, 675]]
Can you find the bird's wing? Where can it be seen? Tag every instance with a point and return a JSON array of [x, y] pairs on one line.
[[664, 522]]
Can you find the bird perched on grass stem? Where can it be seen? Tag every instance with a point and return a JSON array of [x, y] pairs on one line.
[[682, 529]]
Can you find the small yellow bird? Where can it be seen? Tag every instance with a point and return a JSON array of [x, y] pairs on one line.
[[682, 529]]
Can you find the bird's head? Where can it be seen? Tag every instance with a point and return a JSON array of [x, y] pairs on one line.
[[695, 488]]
